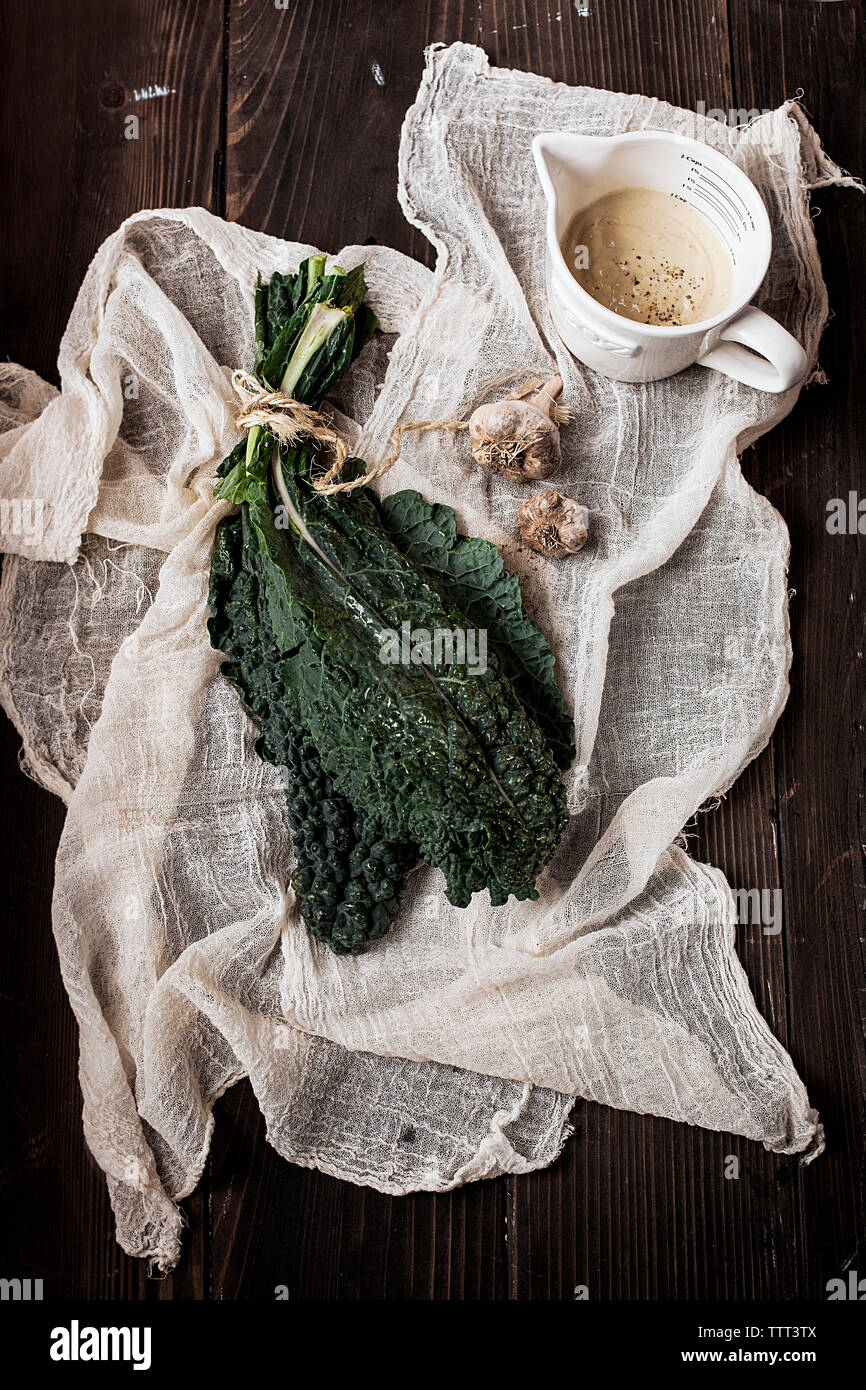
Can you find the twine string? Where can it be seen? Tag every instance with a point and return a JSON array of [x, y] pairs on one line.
[[287, 418], [291, 421]]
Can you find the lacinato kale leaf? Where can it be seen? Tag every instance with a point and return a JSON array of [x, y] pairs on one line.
[[476, 581], [349, 882], [384, 762]]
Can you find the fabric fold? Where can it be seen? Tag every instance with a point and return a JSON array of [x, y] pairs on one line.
[[453, 1049]]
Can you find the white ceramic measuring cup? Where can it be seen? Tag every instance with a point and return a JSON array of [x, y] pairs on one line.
[[575, 170]]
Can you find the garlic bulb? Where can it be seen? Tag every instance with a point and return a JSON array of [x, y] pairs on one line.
[[519, 439], [553, 524]]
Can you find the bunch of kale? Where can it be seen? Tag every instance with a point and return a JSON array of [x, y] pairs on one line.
[[384, 764]]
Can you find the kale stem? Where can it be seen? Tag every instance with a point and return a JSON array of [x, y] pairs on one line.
[[315, 271], [252, 445], [323, 321]]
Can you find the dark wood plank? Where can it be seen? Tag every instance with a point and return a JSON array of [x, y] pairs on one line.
[[676, 56], [312, 155], [816, 455], [779, 1231], [71, 74], [312, 133], [640, 1208], [637, 1208], [279, 1225]]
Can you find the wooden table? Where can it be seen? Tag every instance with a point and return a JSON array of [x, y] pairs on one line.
[[288, 121]]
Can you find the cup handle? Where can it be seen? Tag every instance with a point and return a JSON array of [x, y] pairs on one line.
[[782, 361]]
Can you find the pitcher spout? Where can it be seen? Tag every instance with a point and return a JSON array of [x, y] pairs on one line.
[[548, 163], [561, 155]]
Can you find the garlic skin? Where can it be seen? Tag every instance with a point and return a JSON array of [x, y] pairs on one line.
[[553, 524], [519, 439]]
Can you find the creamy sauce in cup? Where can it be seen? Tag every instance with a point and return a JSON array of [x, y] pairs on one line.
[[650, 257]]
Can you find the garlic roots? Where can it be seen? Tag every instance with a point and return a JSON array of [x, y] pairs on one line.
[[553, 524], [519, 439]]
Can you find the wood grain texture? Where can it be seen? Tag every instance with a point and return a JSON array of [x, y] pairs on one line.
[[312, 134], [323, 1239], [72, 75], [289, 121], [816, 455], [69, 176], [665, 1223]]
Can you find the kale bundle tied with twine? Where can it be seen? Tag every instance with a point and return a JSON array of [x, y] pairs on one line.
[[384, 764], [453, 1048]]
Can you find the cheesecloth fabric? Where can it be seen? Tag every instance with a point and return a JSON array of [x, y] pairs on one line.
[[453, 1049]]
